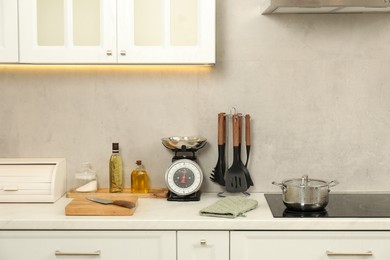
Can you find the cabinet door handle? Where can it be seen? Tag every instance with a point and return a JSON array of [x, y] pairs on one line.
[[109, 52], [123, 53], [60, 253], [330, 253], [10, 188]]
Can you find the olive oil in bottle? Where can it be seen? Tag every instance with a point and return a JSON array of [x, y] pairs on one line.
[[116, 170], [139, 179]]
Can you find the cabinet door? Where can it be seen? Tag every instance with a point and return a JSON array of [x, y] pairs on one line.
[[166, 31], [310, 245], [102, 245], [67, 31], [203, 245], [8, 31]]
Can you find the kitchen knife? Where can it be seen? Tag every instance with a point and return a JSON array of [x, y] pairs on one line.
[[121, 203]]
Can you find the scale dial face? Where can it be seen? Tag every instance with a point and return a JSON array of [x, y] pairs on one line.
[[183, 177]]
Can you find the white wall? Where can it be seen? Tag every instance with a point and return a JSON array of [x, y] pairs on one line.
[[316, 86]]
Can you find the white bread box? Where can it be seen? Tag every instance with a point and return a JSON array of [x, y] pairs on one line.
[[32, 179]]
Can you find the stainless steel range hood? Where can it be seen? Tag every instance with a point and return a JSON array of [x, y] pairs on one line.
[[327, 6]]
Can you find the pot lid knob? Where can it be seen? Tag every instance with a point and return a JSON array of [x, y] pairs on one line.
[[304, 180]]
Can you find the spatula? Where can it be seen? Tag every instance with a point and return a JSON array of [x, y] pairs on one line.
[[248, 148], [219, 170], [247, 137], [235, 180], [246, 171]]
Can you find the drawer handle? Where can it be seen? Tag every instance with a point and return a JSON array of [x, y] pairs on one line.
[[330, 253], [203, 242], [60, 253], [10, 188]]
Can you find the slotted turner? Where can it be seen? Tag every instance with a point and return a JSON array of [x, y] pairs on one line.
[[235, 180], [248, 148]]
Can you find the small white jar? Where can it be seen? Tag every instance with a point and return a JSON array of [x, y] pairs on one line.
[[86, 179]]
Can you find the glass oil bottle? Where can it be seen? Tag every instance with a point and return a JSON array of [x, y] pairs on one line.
[[139, 179], [116, 170]]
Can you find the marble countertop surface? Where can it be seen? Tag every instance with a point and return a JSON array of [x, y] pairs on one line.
[[160, 214]]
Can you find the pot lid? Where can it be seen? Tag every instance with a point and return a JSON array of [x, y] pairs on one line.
[[305, 182]]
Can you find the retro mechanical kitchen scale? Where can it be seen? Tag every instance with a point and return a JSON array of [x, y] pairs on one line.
[[184, 176]]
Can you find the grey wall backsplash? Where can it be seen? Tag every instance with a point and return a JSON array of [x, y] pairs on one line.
[[317, 88]]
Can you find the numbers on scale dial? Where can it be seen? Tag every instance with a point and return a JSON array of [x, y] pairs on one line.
[[184, 178]]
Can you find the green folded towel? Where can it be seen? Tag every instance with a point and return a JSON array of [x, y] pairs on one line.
[[229, 207]]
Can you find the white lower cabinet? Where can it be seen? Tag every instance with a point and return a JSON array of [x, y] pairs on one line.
[[77, 245], [309, 245], [194, 245], [203, 245]]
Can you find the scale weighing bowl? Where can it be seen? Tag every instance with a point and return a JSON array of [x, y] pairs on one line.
[[184, 143]]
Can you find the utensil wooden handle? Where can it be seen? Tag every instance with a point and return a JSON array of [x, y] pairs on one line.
[[236, 131], [221, 128], [224, 129], [247, 129], [124, 203], [239, 128]]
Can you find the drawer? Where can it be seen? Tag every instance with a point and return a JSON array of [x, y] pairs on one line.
[[203, 245], [75, 245], [310, 245]]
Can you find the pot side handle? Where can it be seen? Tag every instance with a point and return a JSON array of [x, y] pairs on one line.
[[333, 183], [283, 187]]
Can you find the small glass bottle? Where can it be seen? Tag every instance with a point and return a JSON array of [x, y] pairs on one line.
[[116, 170], [86, 179], [139, 179]]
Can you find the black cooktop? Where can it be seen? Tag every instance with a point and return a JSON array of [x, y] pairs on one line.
[[339, 206]]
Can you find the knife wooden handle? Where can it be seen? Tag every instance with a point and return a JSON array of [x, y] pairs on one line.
[[124, 203]]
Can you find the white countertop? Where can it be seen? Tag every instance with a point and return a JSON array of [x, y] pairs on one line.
[[160, 214]]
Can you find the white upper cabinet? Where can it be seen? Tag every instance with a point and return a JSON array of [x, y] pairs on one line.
[[117, 31], [67, 31], [8, 31], [166, 31]]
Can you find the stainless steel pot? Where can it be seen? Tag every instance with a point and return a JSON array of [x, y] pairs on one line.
[[305, 194]]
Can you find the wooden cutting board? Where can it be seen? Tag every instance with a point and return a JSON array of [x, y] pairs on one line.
[[84, 207], [157, 193]]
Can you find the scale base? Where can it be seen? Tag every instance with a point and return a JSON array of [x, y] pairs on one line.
[[191, 197]]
